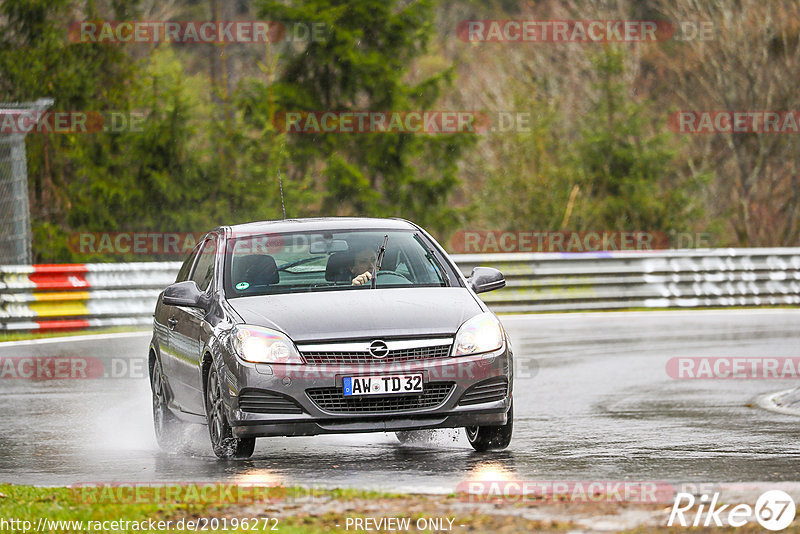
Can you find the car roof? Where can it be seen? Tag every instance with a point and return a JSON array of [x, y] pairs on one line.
[[315, 224]]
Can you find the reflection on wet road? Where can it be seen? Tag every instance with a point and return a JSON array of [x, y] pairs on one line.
[[593, 401]]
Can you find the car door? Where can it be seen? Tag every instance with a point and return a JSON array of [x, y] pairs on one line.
[[166, 320], [187, 339]]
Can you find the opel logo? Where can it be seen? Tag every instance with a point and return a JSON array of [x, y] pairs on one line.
[[378, 349]]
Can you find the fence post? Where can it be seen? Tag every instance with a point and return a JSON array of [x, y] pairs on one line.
[[15, 222]]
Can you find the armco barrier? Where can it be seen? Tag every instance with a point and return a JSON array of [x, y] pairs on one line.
[[79, 296], [53, 297], [656, 279]]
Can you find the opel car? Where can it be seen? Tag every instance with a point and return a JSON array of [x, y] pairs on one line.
[[325, 326]]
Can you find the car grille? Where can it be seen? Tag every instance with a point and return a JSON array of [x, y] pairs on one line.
[[365, 358], [332, 400], [494, 389], [260, 401]]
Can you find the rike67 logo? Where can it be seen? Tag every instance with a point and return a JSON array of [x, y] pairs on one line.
[[774, 510]]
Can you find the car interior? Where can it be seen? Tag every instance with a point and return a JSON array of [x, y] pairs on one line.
[[258, 273], [256, 270]]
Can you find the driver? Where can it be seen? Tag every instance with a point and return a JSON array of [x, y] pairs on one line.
[[363, 263]]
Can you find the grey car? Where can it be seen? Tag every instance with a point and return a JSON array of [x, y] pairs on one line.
[[326, 326]]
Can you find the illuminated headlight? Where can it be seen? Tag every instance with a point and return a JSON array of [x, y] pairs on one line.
[[480, 334], [262, 345]]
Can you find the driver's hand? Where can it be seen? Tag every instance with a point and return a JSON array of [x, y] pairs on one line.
[[362, 278]]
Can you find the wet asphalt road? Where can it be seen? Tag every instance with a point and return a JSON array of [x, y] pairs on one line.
[[593, 401]]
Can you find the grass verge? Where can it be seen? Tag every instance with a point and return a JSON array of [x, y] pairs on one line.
[[289, 510], [295, 510]]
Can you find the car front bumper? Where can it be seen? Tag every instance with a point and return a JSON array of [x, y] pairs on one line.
[[282, 396]]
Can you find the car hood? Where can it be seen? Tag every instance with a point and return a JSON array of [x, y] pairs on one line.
[[361, 313]]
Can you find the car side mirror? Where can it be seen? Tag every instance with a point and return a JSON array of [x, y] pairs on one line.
[[184, 294], [485, 279]]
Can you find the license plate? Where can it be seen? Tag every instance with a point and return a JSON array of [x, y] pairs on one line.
[[382, 385]]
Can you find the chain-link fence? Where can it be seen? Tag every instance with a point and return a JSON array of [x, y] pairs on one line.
[[15, 224]]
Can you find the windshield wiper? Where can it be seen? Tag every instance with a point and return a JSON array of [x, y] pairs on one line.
[[379, 261], [296, 263]]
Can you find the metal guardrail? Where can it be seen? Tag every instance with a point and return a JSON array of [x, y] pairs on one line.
[[51, 297], [658, 279], [61, 297]]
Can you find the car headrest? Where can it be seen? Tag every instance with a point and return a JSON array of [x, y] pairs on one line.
[[256, 269], [338, 267]]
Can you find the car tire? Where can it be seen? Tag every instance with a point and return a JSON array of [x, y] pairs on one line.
[[168, 428], [491, 437], [223, 442]]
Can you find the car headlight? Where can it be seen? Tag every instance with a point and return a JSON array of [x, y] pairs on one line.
[[482, 333], [262, 345]]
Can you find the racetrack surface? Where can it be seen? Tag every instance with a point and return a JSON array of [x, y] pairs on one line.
[[593, 401]]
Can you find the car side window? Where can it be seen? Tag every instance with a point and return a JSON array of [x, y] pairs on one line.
[[204, 270], [183, 274]]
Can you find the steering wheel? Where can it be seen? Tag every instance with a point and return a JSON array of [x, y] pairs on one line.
[[402, 279]]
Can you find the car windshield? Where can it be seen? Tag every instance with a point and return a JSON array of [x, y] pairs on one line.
[[328, 261]]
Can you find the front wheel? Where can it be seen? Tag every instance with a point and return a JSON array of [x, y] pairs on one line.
[[491, 437], [168, 428], [222, 441]]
